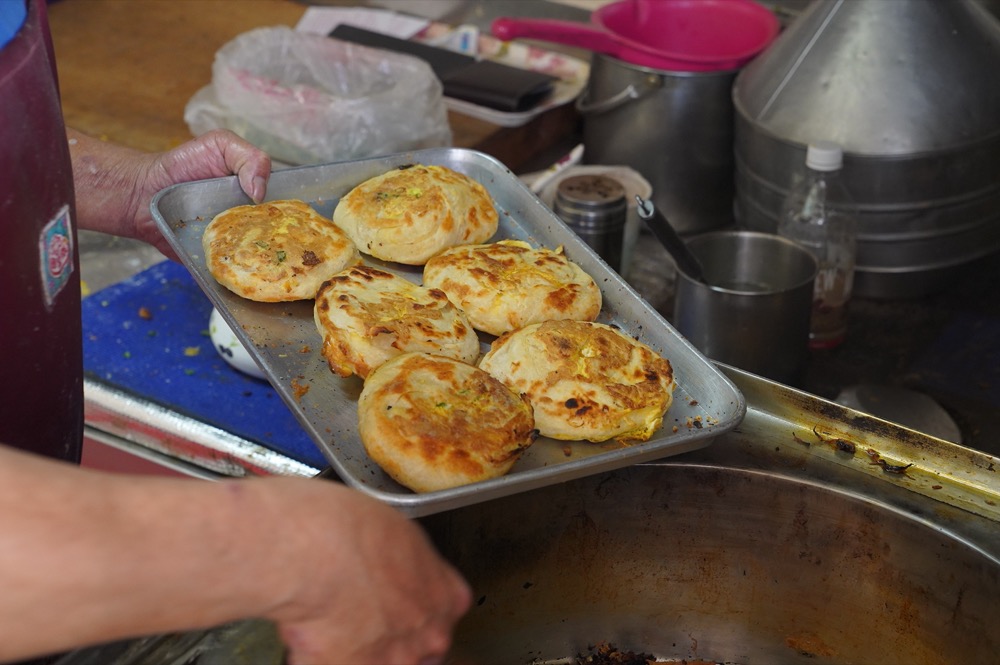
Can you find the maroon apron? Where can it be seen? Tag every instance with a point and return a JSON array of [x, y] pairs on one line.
[[41, 344]]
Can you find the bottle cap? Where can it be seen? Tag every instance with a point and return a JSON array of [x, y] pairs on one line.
[[824, 156]]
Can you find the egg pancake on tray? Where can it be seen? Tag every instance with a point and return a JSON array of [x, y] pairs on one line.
[[433, 423], [276, 251], [411, 213], [510, 284], [367, 316], [585, 380]]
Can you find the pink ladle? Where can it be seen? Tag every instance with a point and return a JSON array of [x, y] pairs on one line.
[[676, 35]]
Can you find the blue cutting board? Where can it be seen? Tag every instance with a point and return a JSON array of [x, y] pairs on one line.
[[148, 336]]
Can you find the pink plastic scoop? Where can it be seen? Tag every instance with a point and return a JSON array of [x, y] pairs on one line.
[[676, 35]]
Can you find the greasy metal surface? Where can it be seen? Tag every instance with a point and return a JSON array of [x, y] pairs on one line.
[[285, 342], [900, 405], [781, 438], [758, 549]]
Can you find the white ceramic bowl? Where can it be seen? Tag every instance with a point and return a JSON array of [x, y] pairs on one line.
[[228, 345]]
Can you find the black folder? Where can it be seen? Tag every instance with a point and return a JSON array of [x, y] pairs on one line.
[[483, 82]]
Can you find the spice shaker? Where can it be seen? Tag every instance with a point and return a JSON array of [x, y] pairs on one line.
[[594, 206]]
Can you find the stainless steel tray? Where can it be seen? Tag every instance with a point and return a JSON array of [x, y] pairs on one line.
[[283, 339]]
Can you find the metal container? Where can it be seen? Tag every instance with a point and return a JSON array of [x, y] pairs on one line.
[[594, 207], [675, 128], [909, 89], [634, 184], [754, 308]]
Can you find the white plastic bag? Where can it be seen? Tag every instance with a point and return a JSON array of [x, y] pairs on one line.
[[309, 99]]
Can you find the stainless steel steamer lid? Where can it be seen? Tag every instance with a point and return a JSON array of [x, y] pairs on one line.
[[908, 87], [880, 77]]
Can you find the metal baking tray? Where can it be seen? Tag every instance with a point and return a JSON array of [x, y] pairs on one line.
[[283, 339]]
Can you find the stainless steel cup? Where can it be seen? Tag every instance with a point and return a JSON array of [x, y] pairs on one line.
[[753, 312]]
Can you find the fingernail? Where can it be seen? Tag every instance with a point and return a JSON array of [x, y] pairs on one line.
[[258, 189]]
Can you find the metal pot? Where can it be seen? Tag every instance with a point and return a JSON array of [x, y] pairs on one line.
[[675, 128], [909, 89]]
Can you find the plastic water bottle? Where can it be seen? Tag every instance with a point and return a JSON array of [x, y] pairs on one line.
[[818, 216]]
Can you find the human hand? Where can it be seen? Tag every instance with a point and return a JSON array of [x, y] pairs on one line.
[[115, 185], [374, 590], [213, 154], [346, 579]]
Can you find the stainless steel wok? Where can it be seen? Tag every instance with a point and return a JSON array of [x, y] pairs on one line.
[[734, 566], [772, 546]]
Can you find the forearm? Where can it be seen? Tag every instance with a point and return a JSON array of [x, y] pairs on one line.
[[96, 557], [107, 178]]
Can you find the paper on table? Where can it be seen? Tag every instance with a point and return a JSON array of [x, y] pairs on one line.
[[322, 20]]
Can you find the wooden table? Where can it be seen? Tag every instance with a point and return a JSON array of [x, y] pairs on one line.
[[127, 69]]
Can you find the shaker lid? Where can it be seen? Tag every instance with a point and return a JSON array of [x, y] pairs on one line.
[[591, 191]]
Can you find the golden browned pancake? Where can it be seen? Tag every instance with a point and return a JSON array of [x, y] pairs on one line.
[[366, 316], [411, 213], [275, 251], [433, 423], [585, 380], [510, 284]]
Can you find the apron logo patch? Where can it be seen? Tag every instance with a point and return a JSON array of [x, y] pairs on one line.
[[55, 247]]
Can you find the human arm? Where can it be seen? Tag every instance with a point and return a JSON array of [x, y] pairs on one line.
[[346, 579], [115, 184]]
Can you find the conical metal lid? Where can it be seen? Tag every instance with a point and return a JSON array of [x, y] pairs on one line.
[[879, 77]]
